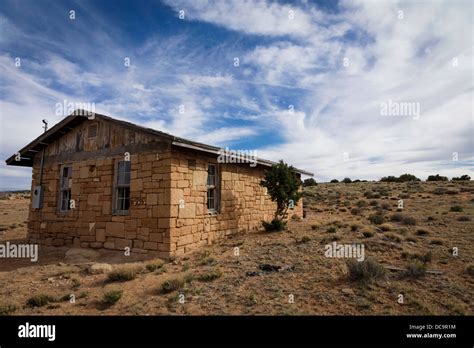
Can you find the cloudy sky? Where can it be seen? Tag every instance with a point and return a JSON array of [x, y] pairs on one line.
[[362, 89]]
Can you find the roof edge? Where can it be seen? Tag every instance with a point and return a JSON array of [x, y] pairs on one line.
[[39, 143], [219, 151]]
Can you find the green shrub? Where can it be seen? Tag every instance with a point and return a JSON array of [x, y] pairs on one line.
[[470, 269], [112, 297], [65, 298], [390, 178], [172, 284], [437, 177], [426, 258], [361, 203], [368, 234], [401, 178], [356, 211], [309, 182], [407, 178], [153, 266], [303, 240], [397, 217], [422, 232], [415, 270], [331, 229], [39, 300], [456, 208], [377, 219], [436, 242], [439, 191], [275, 225], [409, 221], [368, 194], [464, 218], [209, 276], [123, 274], [207, 261], [283, 187], [464, 177], [7, 309], [365, 271]]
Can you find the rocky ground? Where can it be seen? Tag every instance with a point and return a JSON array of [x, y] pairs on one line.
[[279, 273]]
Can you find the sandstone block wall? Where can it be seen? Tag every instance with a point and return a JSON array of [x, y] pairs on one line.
[[243, 202], [91, 223], [168, 203]]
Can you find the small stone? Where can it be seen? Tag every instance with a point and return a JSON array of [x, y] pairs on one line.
[[98, 268], [347, 291], [81, 255]]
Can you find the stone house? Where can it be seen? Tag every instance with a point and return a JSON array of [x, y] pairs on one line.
[[98, 182]]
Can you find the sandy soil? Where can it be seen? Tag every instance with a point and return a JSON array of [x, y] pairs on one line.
[[239, 275]]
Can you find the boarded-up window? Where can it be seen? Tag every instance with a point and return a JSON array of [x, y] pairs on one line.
[[92, 130], [122, 187], [212, 188], [65, 189]]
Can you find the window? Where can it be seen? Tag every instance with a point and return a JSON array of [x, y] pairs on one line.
[[122, 187], [212, 198], [65, 189], [92, 130]]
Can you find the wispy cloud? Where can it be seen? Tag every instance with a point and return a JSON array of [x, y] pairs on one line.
[[308, 86]]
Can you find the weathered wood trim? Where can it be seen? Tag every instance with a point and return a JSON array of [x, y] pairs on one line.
[[107, 153]]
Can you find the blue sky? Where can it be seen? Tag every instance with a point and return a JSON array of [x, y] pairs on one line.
[[309, 86]]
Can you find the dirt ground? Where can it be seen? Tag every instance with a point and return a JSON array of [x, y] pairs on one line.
[[278, 273]]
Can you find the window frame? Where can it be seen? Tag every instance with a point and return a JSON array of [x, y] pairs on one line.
[[117, 186], [215, 187], [62, 188], [89, 127]]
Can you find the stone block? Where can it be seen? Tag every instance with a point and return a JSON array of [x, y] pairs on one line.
[[152, 199], [115, 229]]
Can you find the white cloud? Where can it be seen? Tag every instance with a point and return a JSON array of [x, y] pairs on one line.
[[253, 17], [222, 136], [301, 61]]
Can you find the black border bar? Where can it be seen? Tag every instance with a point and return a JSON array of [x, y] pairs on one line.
[[261, 330]]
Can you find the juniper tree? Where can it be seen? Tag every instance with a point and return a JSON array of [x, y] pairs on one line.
[[283, 186]]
